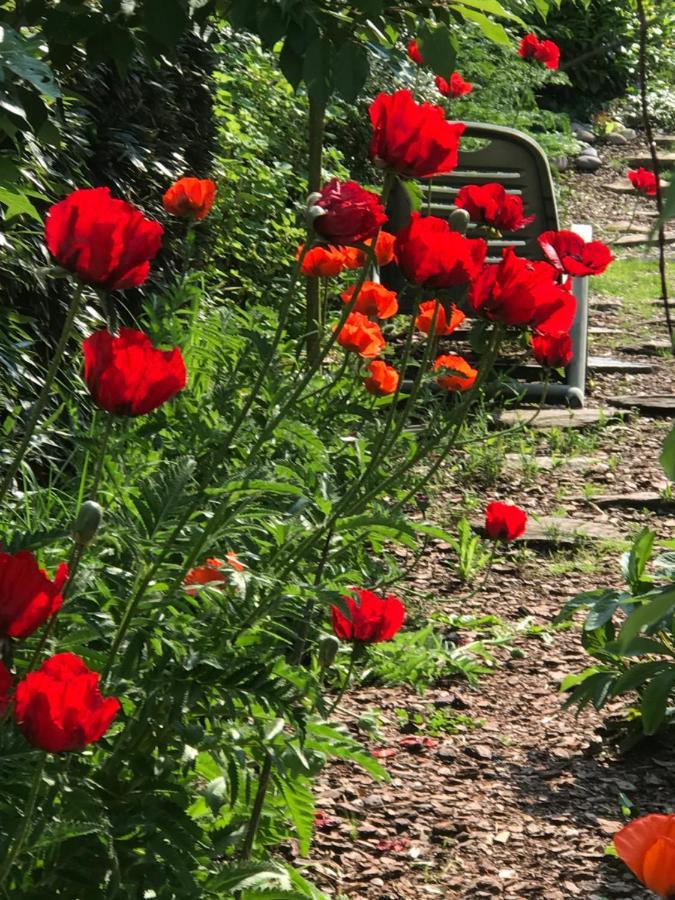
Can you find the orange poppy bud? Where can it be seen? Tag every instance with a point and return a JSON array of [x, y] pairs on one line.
[[323, 261], [373, 300], [446, 322], [190, 198], [461, 375], [647, 846], [383, 379], [359, 335]]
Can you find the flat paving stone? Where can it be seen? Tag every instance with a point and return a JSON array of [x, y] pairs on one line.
[[654, 405], [517, 462], [664, 140], [604, 304], [666, 160], [647, 348], [546, 419], [623, 186], [600, 329], [549, 531], [635, 500], [635, 239], [608, 364]]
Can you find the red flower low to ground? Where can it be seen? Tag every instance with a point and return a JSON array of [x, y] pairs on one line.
[[546, 52], [127, 376], [489, 204], [571, 254], [211, 572], [105, 242], [504, 521], [350, 213], [413, 139], [190, 198], [5, 687], [373, 300], [60, 707], [27, 596], [371, 620], [383, 379], [647, 846], [430, 254], [553, 351], [644, 181], [446, 321], [456, 373], [453, 87], [359, 335]]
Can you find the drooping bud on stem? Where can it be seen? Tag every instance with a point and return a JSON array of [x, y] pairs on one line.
[[87, 523], [328, 648]]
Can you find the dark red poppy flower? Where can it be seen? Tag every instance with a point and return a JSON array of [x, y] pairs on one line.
[[413, 139], [323, 261], [359, 335], [489, 204], [413, 52], [571, 254], [383, 379], [105, 242], [453, 87], [60, 707], [350, 213], [504, 521], [372, 620], [644, 181], [190, 198], [374, 300], [211, 572], [5, 687], [432, 255], [446, 321], [553, 351], [521, 293], [456, 373], [647, 846], [127, 376], [27, 596], [546, 52]]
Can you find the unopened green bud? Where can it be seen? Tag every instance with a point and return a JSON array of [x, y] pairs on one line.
[[87, 523], [328, 648]]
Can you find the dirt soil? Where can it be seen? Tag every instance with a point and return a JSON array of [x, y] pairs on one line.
[[525, 804]]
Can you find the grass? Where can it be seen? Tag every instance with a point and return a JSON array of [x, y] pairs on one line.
[[635, 279]]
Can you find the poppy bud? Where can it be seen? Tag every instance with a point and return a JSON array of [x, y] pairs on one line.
[[328, 648], [313, 197], [313, 213], [458, 220], [87, 523]]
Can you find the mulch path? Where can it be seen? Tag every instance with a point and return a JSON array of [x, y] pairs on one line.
[[524, 805]]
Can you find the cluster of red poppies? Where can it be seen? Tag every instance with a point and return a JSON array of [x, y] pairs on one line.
[[546, 52], [453, 86]]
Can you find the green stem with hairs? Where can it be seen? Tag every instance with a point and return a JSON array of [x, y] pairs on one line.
[[27, 821]]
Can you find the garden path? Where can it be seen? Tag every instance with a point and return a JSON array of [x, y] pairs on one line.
[[523, 799]]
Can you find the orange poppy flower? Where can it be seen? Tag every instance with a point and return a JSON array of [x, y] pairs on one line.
[[359, 335], [445, 324], [353, 258], [460, 378], [323, 261], [373, 300], [211, 572], [384, 251], [647, 846], [190, 198], [383, 379]]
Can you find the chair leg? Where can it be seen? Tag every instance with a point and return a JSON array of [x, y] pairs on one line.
[[576, 371]]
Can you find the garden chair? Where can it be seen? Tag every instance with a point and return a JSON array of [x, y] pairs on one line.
[[518, 163]]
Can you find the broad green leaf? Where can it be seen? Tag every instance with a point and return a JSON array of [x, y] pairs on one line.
[[18, 54], [602, 612], [350, 70], [492, 30], [17, 204], [300, 808], [438, 48], [669, 213], [165, 20], [635, 561], [655, 700], [635, 676], [290, 63], [317, 70], [654, 608], [667, 458], [489, 7]]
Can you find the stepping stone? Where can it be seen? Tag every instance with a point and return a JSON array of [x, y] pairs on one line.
[[551, 531], [623, 186], [600, 329], [648, 348], [636, 500], [546, 419], [666, 161], [635, 240], [664, 140], [604, 304], [516, 463], [654, 405], [607, 364]]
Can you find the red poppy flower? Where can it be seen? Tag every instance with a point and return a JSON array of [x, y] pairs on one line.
[[5, 687], [520, 292], [359, 335], [413, 52], [457, 374], [430, 254], [413, 139], [190, 198], [454, 87], [647, 846], [570, 253], [446, 321], [127, 376], [60, 707], [27, 597], [211, 572], [384, 251], [103, 241], [324, 261], [504, 521], [350, 213], [374, 300], [553, 351], [644, 181], [546, 52], [372, 620], [489, 204], [383, 379]]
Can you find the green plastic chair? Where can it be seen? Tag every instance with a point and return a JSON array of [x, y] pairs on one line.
[[518, 163]]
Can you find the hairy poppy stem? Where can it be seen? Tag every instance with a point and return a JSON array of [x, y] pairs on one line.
[[43, 396], [19, 840], [356, 648], [258, 805], [317, 118], [102, 452]]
